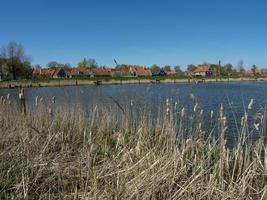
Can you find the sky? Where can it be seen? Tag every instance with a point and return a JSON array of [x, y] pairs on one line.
[[143, 32]]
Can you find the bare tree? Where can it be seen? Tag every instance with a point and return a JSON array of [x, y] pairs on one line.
[[16, 61], [177, 69], [240, 65]]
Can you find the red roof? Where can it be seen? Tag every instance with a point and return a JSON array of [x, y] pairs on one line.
[[250, 72], [102, 71], [170, 73], [35, 72], [48, 72], [201, 68], [140, 71]]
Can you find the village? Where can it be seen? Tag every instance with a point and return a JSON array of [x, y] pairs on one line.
[[137, 71]]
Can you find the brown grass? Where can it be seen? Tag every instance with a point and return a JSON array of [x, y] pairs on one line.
[[103, 154]]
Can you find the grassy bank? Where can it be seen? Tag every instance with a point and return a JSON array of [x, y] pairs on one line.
[[117, 80], [119, 153]]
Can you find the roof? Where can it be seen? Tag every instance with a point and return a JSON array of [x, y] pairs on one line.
[[250, 72], [201, 68], [48, 72], [58, 70], [35, 72], [171, 73], [102, 71], [141, 71], [121, 72]]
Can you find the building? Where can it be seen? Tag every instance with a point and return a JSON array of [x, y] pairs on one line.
[[140, 71], [47, 73], [253, 72], [121, 72], [171, 73], [35, 73], [102, 72], [76, 73], [59, 73], [202, 70]]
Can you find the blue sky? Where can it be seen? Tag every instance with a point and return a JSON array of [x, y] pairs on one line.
[[138, 31]]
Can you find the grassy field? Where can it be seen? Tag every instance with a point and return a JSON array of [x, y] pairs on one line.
[[118, 153]]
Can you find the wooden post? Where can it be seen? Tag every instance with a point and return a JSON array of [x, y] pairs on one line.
[[22, 100], [220, 70]]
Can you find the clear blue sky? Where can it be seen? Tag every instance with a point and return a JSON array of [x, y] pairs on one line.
[[138, 31]]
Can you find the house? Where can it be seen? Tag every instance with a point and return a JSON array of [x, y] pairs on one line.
[[35, 73], [76, 73], [47, 73], [140, 71], [202, 70], [171, 73], [59, 73], [253, 72], [121, 72], [102, 72], [158, 72]]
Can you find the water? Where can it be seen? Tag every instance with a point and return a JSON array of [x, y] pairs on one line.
[[235, 97]]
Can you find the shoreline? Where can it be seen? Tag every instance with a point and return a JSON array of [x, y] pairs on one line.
[[83, 82]]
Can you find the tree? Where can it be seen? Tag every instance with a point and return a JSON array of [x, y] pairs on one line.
[[155, 67], [87, 64], [16, 62], [191, 67], [254, 68], [264, 71], [123, 67], [82, 65], [37, 66], [228, 68], [167, 68], [178, 70], [52, 65], [240, 65], [92, 63]]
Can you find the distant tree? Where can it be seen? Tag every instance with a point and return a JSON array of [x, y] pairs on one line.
[[155, 67], [66, 66], [254, 68], [87, 64], [178, 70], [264, 71], [240, 65], [52, 65], [2, 66], [123, 67], [15, 61], [167, 68], [228, 68], [191, 67], [214, 68], [37, 66]]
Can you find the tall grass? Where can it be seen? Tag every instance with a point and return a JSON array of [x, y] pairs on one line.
[[117, 153]]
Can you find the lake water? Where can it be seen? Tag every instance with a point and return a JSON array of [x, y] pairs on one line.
[[235, 96]]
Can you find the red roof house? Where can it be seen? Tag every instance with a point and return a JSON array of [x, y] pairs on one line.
[[140, 71], [102, 72]]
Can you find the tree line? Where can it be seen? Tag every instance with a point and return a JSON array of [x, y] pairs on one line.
[[15, 64]]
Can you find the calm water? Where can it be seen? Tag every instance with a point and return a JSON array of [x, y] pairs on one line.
[[234, 96]]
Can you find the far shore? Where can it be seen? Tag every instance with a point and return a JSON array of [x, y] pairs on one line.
[[104, 81]]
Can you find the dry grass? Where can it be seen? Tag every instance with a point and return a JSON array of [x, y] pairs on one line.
[[102, 154]]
